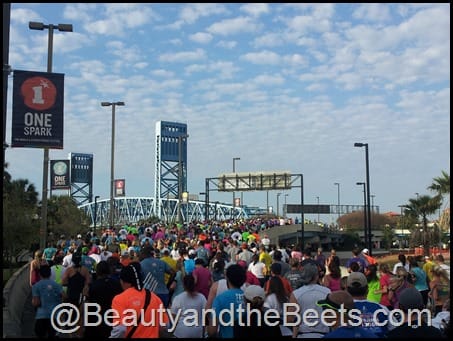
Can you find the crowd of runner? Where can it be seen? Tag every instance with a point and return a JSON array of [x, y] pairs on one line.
[[197, 272]]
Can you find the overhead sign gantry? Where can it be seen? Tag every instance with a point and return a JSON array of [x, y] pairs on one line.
[[257, 181]]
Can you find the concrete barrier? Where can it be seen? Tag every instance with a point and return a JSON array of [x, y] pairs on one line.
[[16, 301]]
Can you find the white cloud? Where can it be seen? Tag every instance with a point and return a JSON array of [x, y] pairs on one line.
[[186, 56], [234, 26], [288, 86], [227, 44], [263, 57], [255, 9], [372, 12], [201, 37], [269, 80], [162, 73], [119, 19], [192, 12], [269, 40]]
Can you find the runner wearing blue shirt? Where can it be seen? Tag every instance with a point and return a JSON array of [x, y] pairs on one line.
[[357, 287], [357, 259], [341, 302], [49, 252], [153, 271], [227, 303], [46, 295]]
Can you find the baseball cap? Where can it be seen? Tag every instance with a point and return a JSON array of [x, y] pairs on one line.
[[365, 251], [410, 298], [192, 252], [253, 291], [356, 280]]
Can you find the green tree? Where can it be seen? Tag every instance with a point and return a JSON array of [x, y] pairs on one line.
[[441, 186], [387, 238], [64, 217], [408, 222], [422, 207], [20, 218], [355, 221]]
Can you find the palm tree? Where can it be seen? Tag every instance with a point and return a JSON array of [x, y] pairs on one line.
[[422, 207], [441, 186]]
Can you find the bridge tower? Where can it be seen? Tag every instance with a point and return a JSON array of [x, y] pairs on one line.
[[81, 178], [170, 164]]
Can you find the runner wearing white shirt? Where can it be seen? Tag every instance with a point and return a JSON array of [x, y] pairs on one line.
[[67, 260]]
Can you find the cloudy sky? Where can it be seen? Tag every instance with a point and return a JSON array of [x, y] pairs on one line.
[[281, 86]]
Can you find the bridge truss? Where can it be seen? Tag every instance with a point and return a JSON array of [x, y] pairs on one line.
[[131, 210]]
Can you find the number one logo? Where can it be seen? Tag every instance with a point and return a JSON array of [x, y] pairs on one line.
[[39, 93]]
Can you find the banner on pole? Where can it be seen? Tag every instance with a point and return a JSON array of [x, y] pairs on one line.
[[120, 191], [37, 118], [59, 174]]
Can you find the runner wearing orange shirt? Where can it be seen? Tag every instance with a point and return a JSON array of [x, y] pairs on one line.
[[133, 298], [368, 258]]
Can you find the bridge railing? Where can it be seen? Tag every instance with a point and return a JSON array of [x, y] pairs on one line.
[[15, 295]]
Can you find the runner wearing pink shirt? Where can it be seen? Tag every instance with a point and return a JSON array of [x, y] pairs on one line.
[[203, 278]]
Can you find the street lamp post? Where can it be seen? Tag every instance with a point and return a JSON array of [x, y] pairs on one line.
[[338, 201], [234, 171], [401, 223], [185, 196], [50, 27], [112, 160], [317, 199], [267, 202], [206, 205], [95, 216], [372, 201], [358, 144], [180, 175], [365, 236], [285, 211], [302, 218], [278, 196]]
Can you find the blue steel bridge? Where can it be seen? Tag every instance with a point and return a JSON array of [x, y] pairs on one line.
[[133, 209]]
